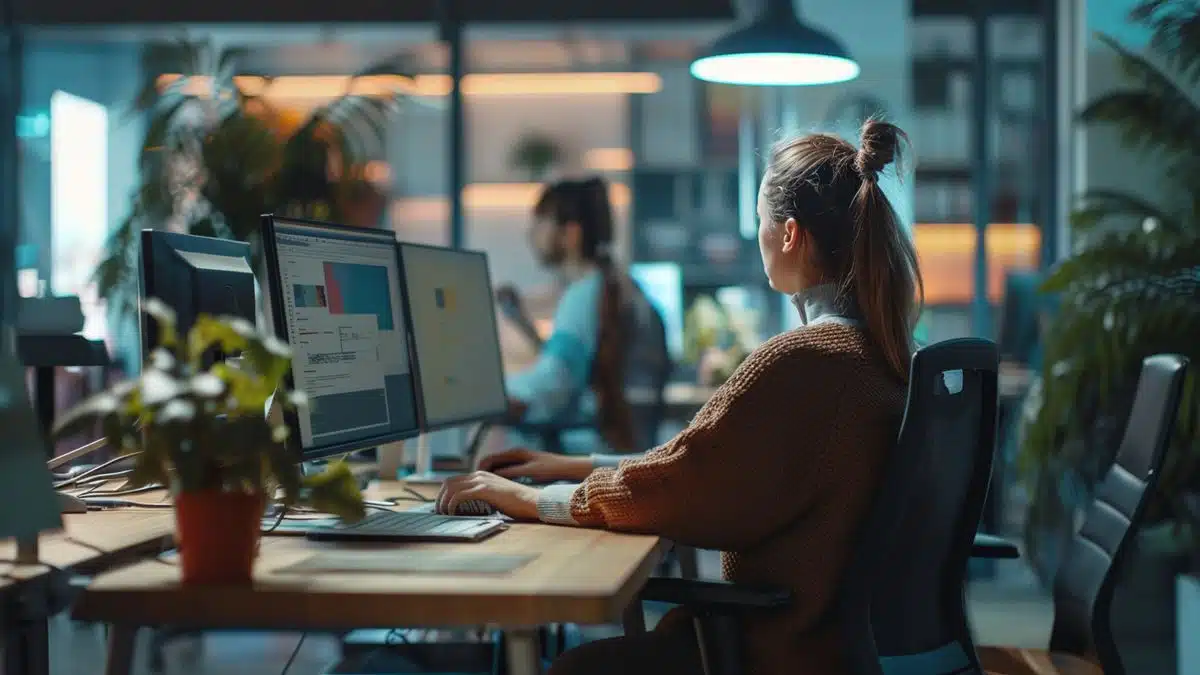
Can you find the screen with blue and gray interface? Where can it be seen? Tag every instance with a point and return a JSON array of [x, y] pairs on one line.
[[342, 304]]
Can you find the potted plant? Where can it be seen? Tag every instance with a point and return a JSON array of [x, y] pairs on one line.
[[219, 151], [712, 342], [535, 154], [1130, 289], [203, 433]]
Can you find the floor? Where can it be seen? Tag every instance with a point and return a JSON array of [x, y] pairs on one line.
[[1008, 609]]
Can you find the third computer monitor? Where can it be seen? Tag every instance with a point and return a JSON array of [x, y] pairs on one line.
[[455, 337], [336, 299]]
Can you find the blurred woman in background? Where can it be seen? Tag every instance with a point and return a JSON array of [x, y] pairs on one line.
[[603, 327]]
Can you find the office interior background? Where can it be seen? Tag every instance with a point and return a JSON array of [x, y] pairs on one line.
[[988, 91]]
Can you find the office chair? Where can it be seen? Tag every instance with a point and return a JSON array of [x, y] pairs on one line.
[[901, 608], [1081, 639]]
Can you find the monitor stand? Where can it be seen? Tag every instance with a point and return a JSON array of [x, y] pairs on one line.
[[426, 474]]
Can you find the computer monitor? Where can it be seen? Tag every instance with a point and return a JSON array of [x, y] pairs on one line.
[[455, 338], [662, 282], [195, 275], [335, 298]]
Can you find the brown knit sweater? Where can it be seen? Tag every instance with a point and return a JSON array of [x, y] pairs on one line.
[[776, 471]]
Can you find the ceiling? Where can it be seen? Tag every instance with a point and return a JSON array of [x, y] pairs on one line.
[[77, 12], [598, 35]]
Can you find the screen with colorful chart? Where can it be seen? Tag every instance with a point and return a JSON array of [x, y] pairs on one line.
[[455, 335], [342, 304]]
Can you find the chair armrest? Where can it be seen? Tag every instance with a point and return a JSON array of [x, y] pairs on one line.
[[715, 596]]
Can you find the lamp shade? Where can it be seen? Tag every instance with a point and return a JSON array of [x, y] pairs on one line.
[[776, 49]]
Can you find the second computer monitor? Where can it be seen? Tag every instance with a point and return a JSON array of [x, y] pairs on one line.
[[335, 297], [455, 337]]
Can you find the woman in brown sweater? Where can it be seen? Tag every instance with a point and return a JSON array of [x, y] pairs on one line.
[[778, 469]]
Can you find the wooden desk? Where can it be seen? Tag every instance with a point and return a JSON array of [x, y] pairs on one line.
[[89, 543], [579, 576]]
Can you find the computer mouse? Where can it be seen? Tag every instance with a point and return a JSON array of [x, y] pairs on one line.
[[474, 507]]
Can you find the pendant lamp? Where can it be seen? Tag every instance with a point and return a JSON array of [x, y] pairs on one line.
[[776, 50]]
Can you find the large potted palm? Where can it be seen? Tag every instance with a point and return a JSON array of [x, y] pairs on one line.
[[1131, 288], [218, 153]]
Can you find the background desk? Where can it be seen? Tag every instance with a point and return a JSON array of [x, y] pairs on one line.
[[579, 576], [684, 399], [89, 543]]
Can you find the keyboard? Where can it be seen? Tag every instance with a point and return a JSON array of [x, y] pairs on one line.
[[409, 526], [474, 508]]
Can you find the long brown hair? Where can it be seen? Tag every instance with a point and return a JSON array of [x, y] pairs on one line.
[[832, 190], [585, 203]]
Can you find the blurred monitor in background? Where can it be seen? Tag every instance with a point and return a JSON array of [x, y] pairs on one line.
[[662, 282]]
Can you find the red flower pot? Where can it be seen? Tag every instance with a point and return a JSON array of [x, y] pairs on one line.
[[217, 534]]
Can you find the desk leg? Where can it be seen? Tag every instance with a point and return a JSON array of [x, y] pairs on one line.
[[45, 396], [27, 651], [689, 562], [120, 650], [524, 651]]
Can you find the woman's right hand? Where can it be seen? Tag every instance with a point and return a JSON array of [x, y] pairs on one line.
[[542, 467]]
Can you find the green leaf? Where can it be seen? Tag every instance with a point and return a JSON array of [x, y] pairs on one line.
[[335, 491], [164, 317], [285, 470], [1098, 207], [1175, 34], [208, 332], [149, 470], [86, 415], [248, 394]]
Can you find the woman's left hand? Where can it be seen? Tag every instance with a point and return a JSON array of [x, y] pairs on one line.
[[512, 499]]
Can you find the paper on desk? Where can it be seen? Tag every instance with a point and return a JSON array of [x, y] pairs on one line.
[[408, 562], [28, 504]]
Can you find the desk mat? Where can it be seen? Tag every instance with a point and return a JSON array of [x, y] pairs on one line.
[[409, 562]]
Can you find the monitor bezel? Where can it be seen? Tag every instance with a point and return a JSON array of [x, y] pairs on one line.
[[426, 425], [150, 245], [279, 321]]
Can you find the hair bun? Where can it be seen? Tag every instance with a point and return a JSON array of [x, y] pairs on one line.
[[878, 145]]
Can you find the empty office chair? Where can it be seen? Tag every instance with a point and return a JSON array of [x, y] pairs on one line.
[[901, 607], [1081, 640]]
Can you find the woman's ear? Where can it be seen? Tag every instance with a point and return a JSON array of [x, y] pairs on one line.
[[792, 235]]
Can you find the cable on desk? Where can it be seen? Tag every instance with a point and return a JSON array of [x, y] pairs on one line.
[[283, 511], [102, 478], [89, 490], [295, 652], [396, 634], [95, 491], [110, 502], [79, 478], [417, 495]]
